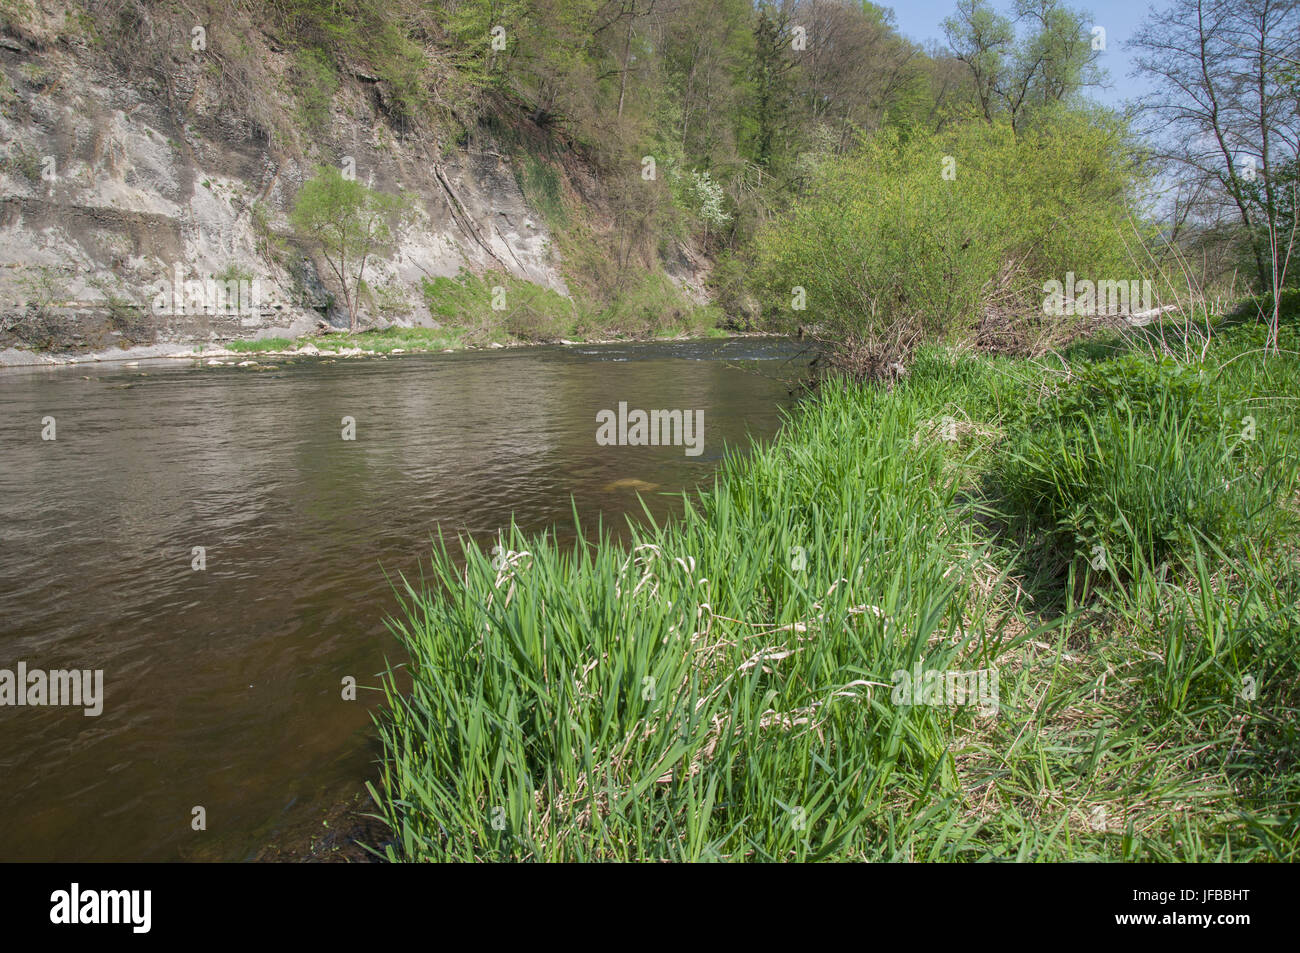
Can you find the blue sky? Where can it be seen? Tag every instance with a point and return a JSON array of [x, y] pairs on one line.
[[922, 20]]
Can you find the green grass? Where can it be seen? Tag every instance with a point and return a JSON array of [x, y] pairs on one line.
[[261, 345], [381, 342], [647, 305], [495, 308], [721, 688], [1135, 460], [501, 304], [390, 339], [540, 181]]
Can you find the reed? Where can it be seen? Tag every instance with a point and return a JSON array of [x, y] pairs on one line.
[[724, 687]]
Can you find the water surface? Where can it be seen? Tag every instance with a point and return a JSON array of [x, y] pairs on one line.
[[223, 686]]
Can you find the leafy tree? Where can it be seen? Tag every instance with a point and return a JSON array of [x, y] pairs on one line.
[[705, 53], [772, 68], [983, 39], [348, 222], [1014, 74], [884, 252]]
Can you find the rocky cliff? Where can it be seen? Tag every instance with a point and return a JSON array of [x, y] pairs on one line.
[[120, 186]]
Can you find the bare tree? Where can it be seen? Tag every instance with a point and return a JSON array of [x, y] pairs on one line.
[[854, 67], [1226, 114]]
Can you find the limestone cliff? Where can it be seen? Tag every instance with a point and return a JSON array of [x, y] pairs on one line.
[[116, 182]]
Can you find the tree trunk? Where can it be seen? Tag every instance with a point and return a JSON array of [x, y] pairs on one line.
[[627, 49]]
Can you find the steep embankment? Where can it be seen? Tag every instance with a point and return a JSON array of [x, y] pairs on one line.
[[122, 181]]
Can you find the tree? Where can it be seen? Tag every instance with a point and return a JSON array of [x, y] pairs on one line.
[[855, 68], [981, 38], [706, 50], [348, 222], [1226, 113], [772, 68], [1052, 61], [889, 255]]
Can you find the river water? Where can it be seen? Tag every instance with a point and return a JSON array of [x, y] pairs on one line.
[[222, 685]]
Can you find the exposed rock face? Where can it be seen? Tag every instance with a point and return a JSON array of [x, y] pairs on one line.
[[116, 189]]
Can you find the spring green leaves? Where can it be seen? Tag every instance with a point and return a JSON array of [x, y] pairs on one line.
[[347, 222]]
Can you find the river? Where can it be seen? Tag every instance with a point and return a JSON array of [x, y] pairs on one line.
[[222, 684]]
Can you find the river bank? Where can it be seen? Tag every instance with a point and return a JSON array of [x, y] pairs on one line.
[[334, 345], [1006, 610]]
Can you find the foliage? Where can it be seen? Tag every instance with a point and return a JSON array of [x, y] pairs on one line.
[[890, 251], [1018, 73], [315, 82], [529, 312], [348, 222], [718, 688], [1138, 462]]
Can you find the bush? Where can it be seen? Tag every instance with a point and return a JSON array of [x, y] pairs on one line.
[[541, 185], [530, 312], [1144, 386], [918, 236], [649, 303], [315, 83]]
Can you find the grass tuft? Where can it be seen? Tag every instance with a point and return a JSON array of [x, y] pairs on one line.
[[726, 686]]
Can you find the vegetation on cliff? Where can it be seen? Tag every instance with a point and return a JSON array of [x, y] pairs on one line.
[[684, 150]]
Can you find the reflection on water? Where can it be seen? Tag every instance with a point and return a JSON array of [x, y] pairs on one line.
[[223, 685]]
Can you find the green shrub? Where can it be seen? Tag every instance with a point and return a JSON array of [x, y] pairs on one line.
[[1132, 464], [540, 182], [233, 272], [315, 83], [261, 344], [917, 235], [22, 163], [649, 303], [1145, 386], [530, 312]]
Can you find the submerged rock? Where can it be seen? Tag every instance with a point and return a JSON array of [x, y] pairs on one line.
[[630, 483]]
